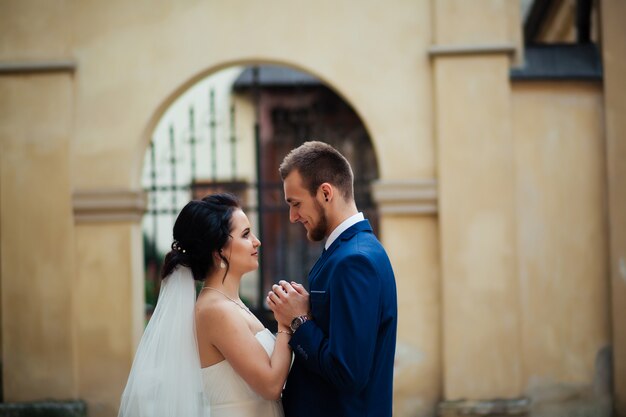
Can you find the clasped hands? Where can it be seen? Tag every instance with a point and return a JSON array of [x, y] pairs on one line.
[[288, 301]]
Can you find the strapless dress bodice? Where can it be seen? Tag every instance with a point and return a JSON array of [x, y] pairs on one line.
[[230, 396]]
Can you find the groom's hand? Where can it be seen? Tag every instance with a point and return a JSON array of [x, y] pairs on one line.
[[288, 301]]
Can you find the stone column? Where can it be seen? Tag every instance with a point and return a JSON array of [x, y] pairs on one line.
[[613, 14], [408, 223], [475, 43], [110, 292], [37, 245]]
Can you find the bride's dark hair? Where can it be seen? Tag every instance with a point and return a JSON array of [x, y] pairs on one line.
[[201, 229]]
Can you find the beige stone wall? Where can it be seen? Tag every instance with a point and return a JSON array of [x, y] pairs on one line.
[[613, 14], [481, 323], [133, 59], [35, 30], [473, 169], [562, 243], [418, 376], [109, 293], [37, 243], [120, 62], [478, 233]]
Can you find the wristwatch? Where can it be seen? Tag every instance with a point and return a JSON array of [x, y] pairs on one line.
[[297, 322]]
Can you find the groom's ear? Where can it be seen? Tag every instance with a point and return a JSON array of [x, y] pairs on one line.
[[327, 191]]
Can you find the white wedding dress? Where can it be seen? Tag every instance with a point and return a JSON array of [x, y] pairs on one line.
[[166, 379], [230, 396]]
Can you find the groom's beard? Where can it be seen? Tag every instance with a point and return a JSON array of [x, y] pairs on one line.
[[319, 231]]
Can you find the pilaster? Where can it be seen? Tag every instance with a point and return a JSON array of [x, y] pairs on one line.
[[110, 312], [37, 240], [408, 223], [472, 55]]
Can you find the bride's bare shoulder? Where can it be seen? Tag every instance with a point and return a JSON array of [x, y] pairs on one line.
[[211, 309]]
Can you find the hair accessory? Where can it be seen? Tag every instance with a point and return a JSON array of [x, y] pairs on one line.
[[176, 246]]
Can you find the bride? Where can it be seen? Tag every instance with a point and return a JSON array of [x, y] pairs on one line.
[[210, 356]]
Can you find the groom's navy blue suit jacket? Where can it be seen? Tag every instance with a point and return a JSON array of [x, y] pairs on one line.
[[344, 357]]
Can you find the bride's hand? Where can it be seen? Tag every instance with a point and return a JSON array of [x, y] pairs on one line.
[[288, 300]]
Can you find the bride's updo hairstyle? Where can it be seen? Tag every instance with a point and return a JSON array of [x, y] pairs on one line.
[[201, 229]]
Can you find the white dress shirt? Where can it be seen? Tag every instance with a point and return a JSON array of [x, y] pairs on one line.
[[343, 226]]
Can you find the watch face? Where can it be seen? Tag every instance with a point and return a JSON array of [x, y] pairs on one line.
[[295, 323]]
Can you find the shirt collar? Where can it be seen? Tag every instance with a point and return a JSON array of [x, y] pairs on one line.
[[343, 226]]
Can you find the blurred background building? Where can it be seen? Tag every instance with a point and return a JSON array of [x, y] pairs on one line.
[[487, 139]]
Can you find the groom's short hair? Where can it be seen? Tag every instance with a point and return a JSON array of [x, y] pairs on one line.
[[318, 162]]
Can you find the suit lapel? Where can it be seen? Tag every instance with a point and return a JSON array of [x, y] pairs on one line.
[[318, 265], [363, 225]]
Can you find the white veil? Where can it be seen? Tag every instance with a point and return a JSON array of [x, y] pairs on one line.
[[165, 379]]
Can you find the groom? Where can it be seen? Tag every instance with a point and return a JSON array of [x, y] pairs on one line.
[[344, 339]]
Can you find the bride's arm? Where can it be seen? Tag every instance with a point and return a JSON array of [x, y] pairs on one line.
[[228, 331]]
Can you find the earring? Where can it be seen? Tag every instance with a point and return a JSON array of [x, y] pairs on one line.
[[222, 264]]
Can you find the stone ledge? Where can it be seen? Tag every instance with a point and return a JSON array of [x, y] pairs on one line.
[[406, 197], [34, 67], [97, 206], [44, 409], [472, 49], [493, 408]]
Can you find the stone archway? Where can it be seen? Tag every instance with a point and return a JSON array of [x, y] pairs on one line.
[[104, 76], [244, 135]]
